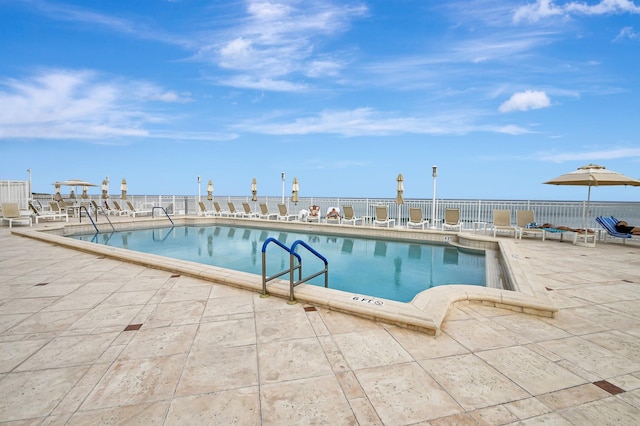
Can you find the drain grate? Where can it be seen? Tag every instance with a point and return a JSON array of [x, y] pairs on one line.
[[41, 284], [609, 387], [310, 309], [132, 327]]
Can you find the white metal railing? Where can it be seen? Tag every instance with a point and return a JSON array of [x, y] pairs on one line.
[[568, 213]]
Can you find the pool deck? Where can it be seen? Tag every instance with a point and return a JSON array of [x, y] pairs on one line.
[[86, 339]]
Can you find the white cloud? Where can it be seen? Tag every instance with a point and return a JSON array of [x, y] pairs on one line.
[[591, 156], [627, 32], [541, 9], [68, 104], [524, 101]]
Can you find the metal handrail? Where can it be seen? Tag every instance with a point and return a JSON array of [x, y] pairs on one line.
[[325, 271], [89, 216], [163, 209], [265, 279]]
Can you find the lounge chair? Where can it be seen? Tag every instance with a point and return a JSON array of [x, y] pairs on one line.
[[415, 218], [117, 210], [133, 212], [219, 210], [502, 222], [526, 224], [609, 224], [233, 211], [349, 216], [265, 214], [382, 217], [40, 214], [11, 213], [331, 218], [284, 214], [247, 210], [452, 220], [202, 210], [314, 214]]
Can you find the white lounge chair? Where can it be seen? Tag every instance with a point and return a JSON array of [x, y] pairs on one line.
[[202, 210], [314, 214], [39, 214], [265, 214], [284, 214], [452, 220], [333, 215], [11, 213], [525, 224], [117, 210], [133, 212], [416, 219], [382, 217], [247, 210], [219, 210], [349, 216], [233, 211], [502, 222]]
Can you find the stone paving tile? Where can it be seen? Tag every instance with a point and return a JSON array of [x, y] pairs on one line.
[[212, 354]]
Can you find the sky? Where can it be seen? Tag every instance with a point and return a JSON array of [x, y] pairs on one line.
[[342, 94]]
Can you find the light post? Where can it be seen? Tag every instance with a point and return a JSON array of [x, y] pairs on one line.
[[199, 182], [30, 190], [283, 177], [433, 201]]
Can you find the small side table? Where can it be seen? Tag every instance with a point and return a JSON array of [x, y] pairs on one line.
[[477, 226]]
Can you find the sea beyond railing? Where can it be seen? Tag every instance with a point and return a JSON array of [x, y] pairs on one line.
[[567, 213]]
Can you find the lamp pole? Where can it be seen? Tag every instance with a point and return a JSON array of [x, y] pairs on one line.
[[30, 190], [199, 182], [433, 201], [108, 186], [283, 177]]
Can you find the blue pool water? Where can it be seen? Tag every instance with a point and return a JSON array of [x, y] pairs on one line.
[[379, 268]]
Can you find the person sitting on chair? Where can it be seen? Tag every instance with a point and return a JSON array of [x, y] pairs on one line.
[[333, 214], [624, 228]]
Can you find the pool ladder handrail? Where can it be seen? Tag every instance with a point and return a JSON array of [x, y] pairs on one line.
[[91, 219], [164, 210], [292, 266]]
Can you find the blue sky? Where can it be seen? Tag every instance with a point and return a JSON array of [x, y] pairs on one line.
[[344, 95]]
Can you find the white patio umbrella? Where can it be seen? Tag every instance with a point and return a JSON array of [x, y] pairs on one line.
[[400, 195], [74, 184], [105, 189], [210, 190], [295, 187], [123, 188], [254, 190], [592, 175]]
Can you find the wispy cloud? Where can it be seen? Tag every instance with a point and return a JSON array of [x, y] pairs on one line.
[[369, 122], [593, 156], [542, 9], [524, 101], [627, 33], [57, 104]]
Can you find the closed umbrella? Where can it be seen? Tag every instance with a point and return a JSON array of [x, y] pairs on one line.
[[105, 190], [210, 190], [84, 195], [592, 175], [123, 189], [254, 190], [400, 195], [294, 190], [58, 196]]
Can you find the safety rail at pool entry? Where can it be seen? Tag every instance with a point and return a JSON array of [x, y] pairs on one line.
[[293, 256]]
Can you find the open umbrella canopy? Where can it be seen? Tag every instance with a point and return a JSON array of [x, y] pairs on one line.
[[592, 175], [74, 182]]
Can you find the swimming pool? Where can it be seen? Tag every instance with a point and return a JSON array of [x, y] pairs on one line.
[[389, 269]]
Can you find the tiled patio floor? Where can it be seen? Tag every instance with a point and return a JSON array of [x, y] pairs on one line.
[[87, 340]]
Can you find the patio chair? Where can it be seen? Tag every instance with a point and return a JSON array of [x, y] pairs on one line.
[[452, 220], [247, 210], [526, 224], [41, 214], [415, 218], [314, 214], [11, 213], [202, 210], [233, 211], [284, 214], [333, 215], [502, 222], [382, 217], [349, 216], [609, 224], [219, 210], [117, 210], [265, 214], [133, 212]]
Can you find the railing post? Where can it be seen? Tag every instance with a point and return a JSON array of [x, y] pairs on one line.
[[292, 300]]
